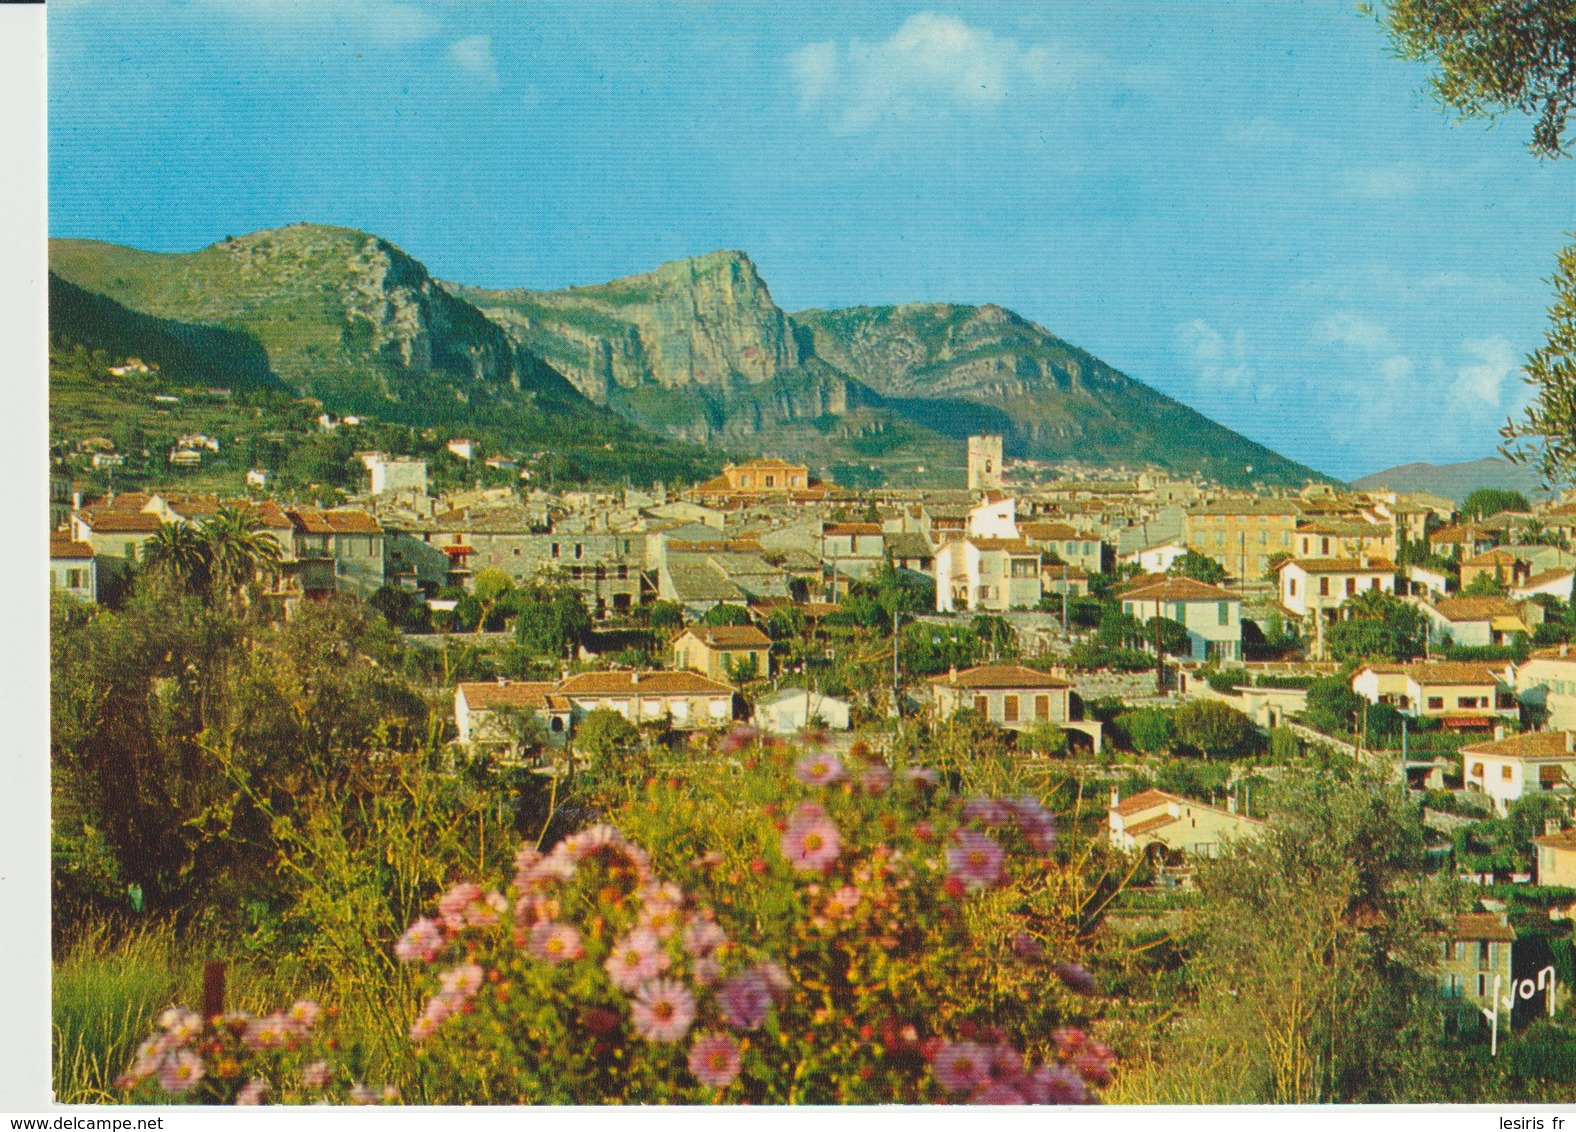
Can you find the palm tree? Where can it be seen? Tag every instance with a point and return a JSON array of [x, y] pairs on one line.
[[239, 550], [180, 553]]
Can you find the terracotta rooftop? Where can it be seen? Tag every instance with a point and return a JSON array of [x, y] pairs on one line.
[[731, 636], [642, 683], [1535, 745], [62, 547], [1475, 608], [1564, 839], [1177, 588], [1341, 565], [1481, 925], [1144, 800], [121, 522], [514, 693], [1442, 672], [1001, 676]]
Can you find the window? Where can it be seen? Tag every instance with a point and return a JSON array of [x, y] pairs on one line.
[[1436, 703], [1291, 587], [982, 705], [1127, 608], [771, 481], [1264, 538], [1482, 985], [1373, 583], [623, 573], [517, 552], [74, 579], [1042, 707], [580, 550], [1485, 957], [1505, 773], [1470, 702], [1223, 614], [1477, 772], [1351, 586], [1009, 708], [1324, 547], [555, 550], [1324, 587]]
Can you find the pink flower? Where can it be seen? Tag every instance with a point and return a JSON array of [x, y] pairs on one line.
[[555, 943], [453, 903], [960, 1066], [150, 1055], [745, 1000], [524, 861], [1026, 946], [635, 958], [738, 737], [180, 1071], [818, 769], [986, 811], [662, 920], [1035, 822], [421, 942], [662, 1010], [486, 912], [463, 981], [975, 859], [252, 1092], [847, 898], [361, 1094], [1092, 1068], [661, 894], [921, 775], [303, 1015], [876, 777], [777, 979], [705, 970], [702, 937], [1006, 1063], [316, 1075], [714, 1060], [265, 1033], [811, 842], [996, 1092], [1054, 1084], [1075, 977], [181, 1024]]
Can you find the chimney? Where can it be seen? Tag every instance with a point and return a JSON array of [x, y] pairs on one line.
[[634, 677], [1499, 732]]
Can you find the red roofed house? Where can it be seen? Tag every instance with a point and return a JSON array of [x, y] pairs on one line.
[[1179, 826], [483, 712], [688, 699], [712, 649], [352, 539], [1461, 694], [1476, 948], [71, 568], [1211, 615]]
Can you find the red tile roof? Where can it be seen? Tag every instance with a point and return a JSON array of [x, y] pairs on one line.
[[62, 547], [1001, 676], [520, 694], [642, 683], [1481, 925]]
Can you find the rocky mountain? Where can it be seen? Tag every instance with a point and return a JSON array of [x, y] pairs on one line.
[[349, 319], [697, 349], [1457, 481]]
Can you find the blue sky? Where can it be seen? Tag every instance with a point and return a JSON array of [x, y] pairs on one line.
[[1250, 206]]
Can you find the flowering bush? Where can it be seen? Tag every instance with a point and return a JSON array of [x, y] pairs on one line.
[[811, 932], [237, 1058]]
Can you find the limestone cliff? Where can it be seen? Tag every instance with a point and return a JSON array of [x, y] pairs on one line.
[[707, 321]]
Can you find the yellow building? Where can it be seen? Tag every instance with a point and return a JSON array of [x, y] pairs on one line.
[[1557, 858], [1476, 949], [712, 650], [1242, 534]]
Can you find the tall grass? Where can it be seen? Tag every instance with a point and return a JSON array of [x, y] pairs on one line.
[[107, 993]]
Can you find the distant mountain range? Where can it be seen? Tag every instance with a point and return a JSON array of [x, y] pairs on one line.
[[692, 354], [1457, 481]]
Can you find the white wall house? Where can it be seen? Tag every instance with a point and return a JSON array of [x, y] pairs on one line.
[[987, 573], [793, 709], [1212, 616]]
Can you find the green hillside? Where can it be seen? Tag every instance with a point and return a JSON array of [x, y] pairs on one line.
[[347, 320]]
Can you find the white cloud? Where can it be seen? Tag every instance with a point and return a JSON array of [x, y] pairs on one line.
[[1484, 379], [931, 63], [1382, 183], [474, 55], [1347, 329], [1219, 360]]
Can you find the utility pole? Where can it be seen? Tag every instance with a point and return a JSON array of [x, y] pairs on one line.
[[1160, 660], [897, 702]]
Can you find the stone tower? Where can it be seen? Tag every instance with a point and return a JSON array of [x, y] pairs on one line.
[[984, 462]]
